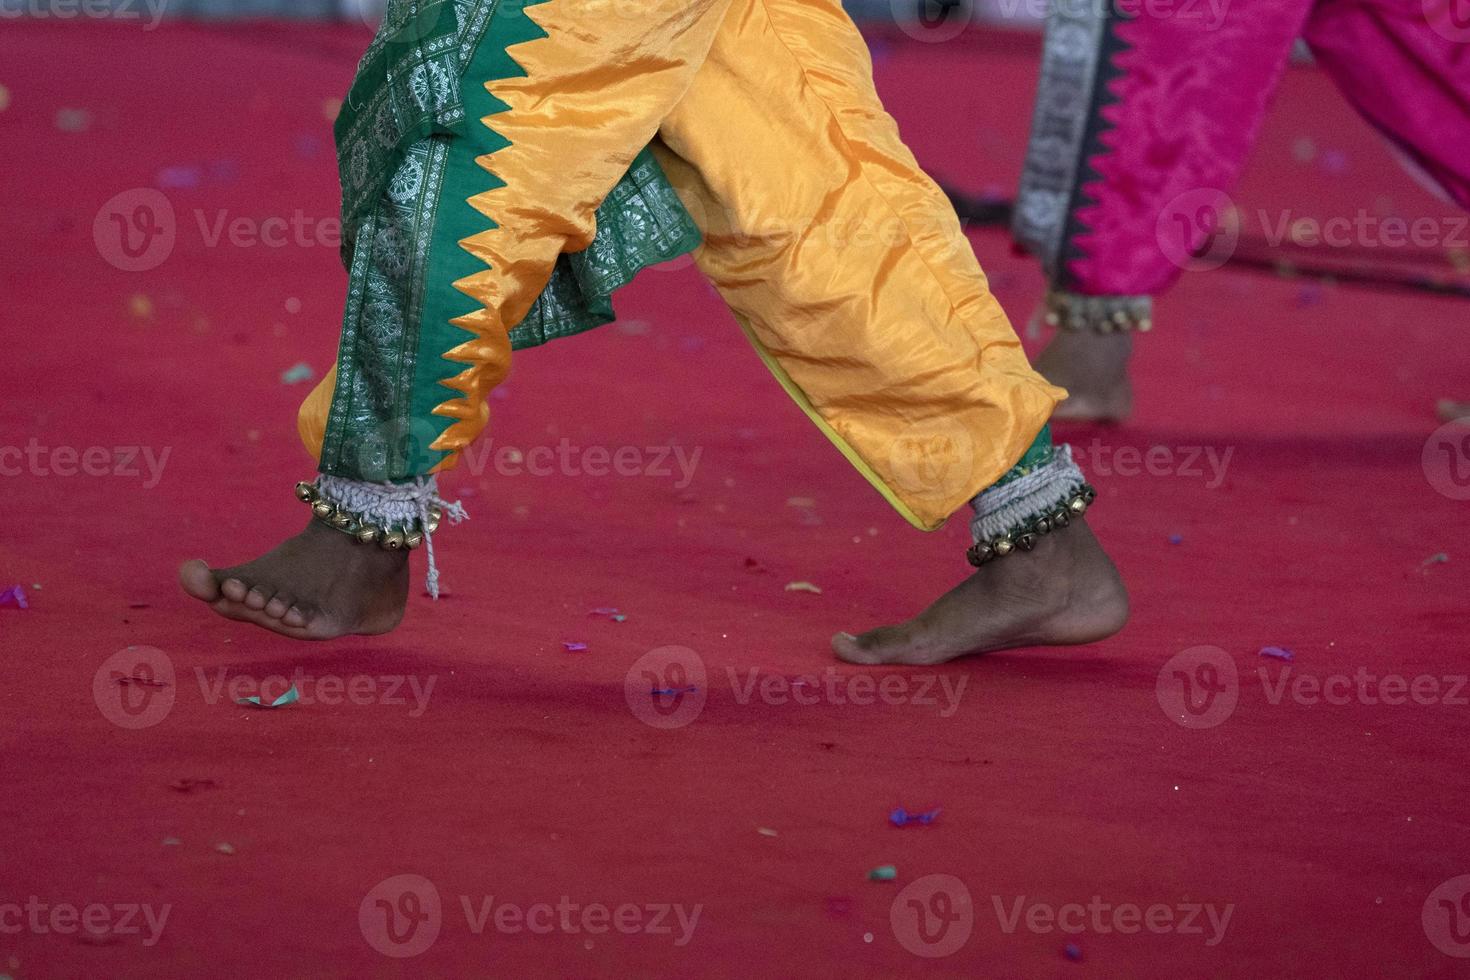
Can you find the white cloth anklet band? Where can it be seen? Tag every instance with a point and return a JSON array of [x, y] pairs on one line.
[[395, 505], [1003, 509]]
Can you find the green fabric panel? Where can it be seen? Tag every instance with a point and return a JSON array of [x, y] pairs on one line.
[[405, 254], [1040, 453]]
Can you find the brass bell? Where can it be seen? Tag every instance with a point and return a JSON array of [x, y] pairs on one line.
[[1026, 542], [980, 554], [1003, 547], [367, 534], [435, 516], [1089, 495], [393, 540], [1145, 325], [1053, 320], [323, 510], [1043, 525], [342, 519], [1077, 506], [413, 539], [1060, 518], [305, 492]]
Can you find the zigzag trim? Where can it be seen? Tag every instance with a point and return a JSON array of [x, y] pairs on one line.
[[487, 354], [1095, 145]]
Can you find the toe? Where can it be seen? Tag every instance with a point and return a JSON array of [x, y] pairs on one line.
[[198, 581], [852, 649], [277, 607], [234, 589], [257, 598], [296, 617]]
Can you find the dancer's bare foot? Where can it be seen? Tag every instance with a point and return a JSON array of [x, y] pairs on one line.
[[1093, 367], [317, 585], [1064, 592]]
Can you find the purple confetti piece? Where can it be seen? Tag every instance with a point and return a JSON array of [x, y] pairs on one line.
[[16, 595], [573, 646], [902, 818], [1176, 539], [1280, 653], [672, 690], [181, 177], [1072, 952]]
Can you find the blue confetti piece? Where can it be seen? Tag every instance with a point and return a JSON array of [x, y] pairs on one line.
[[668, 691], [290, 697], [1176, 539], [902, 818], [1072, 952], [1280, 653], [573, 646]]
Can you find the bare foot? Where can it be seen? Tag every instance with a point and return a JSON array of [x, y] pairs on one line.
[[317, 585], [1093, 367], [1064, 592]]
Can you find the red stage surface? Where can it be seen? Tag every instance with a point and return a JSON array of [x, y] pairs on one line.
[[1289, 507]]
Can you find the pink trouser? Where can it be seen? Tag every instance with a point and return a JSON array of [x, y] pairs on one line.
[[1138, 117]]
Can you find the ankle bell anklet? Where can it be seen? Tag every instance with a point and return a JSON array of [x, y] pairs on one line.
[[1025, 536], [1099, 314], [395, 517], [1016, 513], [409, 537]]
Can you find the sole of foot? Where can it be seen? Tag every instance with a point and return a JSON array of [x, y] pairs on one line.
[[317, 585], [1063, 593]]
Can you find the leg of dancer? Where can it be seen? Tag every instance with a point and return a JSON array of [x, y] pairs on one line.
[[1143, 123], [846, 268]]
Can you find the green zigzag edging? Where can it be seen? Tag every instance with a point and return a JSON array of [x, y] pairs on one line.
[[458, 219]]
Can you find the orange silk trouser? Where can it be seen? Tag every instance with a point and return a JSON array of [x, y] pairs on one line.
[[843, 263]]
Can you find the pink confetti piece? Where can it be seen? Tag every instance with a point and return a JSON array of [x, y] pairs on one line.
[[1280, 653], [14, 595], [573, 646], [604, 611]]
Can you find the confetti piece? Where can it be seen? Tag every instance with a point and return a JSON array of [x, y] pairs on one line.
[[189, 784], [903, 818], [765, 831], [4, 98], [140, 682], [573, 646], [803, 587], [1439, 558], [293, 305], [604, 611], [1072, 952], [297, 373], [172, 842], [753, 566], [800, 502], [225, 848], [669, 691], [73, 120], [1280, 653], [140, 306], [14, 595], [290, 697], [330, 109], [1176, 539], [884, 872], [179, 177], [619, 618]]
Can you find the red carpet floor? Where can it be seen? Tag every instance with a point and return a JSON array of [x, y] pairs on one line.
[[1074, 809]]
